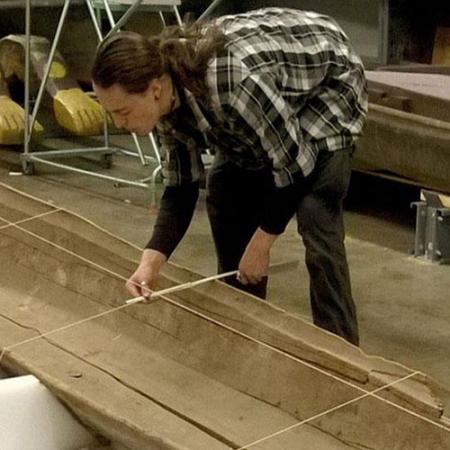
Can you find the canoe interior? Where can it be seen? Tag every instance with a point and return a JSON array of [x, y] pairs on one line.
[[206, 368]]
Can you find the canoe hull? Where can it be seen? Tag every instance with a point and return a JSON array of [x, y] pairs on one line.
[[206, 368]]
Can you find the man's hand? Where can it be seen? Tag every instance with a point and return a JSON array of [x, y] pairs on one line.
[[144, 278], [254, 263]]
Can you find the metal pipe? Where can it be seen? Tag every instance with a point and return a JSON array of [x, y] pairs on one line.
[[135, 155], [109, 13], [124, 18], [50, 60], [155, 147], [208, 11], [177, 15], [95, 22], [87, 172], [112, 23], [139, 149], [27, 129], [73, 151], [163, 20]]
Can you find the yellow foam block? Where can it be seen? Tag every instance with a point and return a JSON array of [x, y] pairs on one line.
[[12, 127], [77, 112]]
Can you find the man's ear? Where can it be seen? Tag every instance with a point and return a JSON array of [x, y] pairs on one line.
[[155, 88]]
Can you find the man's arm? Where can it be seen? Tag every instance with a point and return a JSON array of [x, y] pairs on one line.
[[182, 170], [175, 214]]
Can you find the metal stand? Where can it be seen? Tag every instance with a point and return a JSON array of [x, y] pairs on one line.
[[29, 158], [432, 238]]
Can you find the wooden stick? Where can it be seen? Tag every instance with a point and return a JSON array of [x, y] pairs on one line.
[[275, 268], [181, 287]]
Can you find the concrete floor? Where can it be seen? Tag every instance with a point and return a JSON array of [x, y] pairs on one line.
[[403, 302]]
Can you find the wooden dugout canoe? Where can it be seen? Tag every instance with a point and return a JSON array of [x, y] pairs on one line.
[[208, 368], [407, 133]]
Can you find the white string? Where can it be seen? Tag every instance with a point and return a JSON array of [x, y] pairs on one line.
[[63, 249], [180, 287], [203, 316], [66, 327], [311, 366], [28, 219], [328, 411], [72, 213]]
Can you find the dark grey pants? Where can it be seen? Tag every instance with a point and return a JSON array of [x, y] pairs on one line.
[[235, 200]]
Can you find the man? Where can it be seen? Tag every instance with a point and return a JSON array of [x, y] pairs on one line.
[[279, 96]]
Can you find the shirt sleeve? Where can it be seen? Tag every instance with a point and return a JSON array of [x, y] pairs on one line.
[[182, 170], [175, 214]]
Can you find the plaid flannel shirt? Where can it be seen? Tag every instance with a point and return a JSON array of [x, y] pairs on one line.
[[287, 85]]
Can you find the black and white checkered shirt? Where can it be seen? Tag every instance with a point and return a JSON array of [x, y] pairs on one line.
[[287, 85]]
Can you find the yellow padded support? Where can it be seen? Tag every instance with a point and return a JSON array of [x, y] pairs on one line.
[[12, 127], [77, 112]]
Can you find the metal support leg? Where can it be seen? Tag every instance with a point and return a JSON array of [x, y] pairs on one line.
[[432, 238], [210, 9], [27, 130], [50, 61]]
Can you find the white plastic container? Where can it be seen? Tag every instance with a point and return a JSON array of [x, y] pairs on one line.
[[32, 418]]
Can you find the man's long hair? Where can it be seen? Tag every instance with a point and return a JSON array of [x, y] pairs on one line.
[[133, 60]]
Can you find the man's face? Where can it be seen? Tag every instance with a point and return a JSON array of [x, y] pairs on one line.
[[136, 113]]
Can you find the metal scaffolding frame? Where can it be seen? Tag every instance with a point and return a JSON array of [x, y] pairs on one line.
[[29, 157]]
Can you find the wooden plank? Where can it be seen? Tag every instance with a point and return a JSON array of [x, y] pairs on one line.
[[411, 146], [380, 97], [428, 94], [431, 85], [437, 69]]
